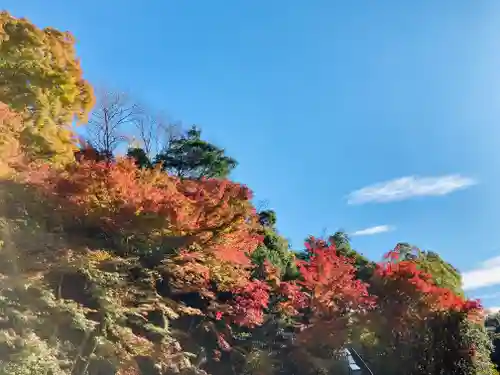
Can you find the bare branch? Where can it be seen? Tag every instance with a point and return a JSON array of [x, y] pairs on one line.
[[113, 111], [155, 132], [261, 205]]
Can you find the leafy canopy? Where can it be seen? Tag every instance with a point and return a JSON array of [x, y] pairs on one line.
[[41, 78], [189, 156], [442, 273], [274, 249]]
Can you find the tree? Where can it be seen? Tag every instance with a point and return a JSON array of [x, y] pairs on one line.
[[140, 157], [189, 156], [267, 218], [341, 240], [407, 251], [274, 248], [492, 324], [443, 273], [342, 245], [105, 129], [155, 133], [41, 78], [422, 327], [364, 267], [335, 296], [492, 320], [87, 152]]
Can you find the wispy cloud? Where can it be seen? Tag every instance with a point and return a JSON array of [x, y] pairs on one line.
[[373, 230], [492, 262], [487, 274], [408, 187]]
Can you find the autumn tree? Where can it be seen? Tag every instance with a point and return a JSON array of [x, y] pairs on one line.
[[407, 251], [41, 78], [157, 246], [342, 245], [188, 156], [86, 151], [330, 281], [421, 326], [442, 272], [335, 297]]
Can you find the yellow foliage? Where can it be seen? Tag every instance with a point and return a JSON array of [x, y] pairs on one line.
[[98, 256], [41, 78], [11, 126]]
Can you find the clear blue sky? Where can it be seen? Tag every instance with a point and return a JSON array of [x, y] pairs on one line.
[[317, 99]]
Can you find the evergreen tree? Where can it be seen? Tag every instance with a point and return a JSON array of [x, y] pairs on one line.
[[188, 156]]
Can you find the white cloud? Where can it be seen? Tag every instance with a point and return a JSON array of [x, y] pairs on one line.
[[373, 230], [492, 262], [486, 275], [408, 187]]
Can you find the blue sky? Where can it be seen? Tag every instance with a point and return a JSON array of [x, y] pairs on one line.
[[320, 99]]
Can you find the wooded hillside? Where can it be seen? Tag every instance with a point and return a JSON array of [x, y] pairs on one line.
[[155, 262]]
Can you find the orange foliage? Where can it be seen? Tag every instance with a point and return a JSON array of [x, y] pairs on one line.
[[11, 125], [334, 294], [418, 285], [407, 297], [218, 219], [122, 198], [330, 279], [250, 303]]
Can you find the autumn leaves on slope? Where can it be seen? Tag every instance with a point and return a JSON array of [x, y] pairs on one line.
[[157, 263]]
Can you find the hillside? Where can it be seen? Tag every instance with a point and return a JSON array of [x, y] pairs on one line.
[[157, 263]]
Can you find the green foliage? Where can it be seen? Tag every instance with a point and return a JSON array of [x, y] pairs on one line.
[[30, 355], [440, 344], [267, 218], [475, 336], [68, 308], [189, 156], [274, 248], [140, 157], [492, 324], [421, 326], [443, 273], [492, 320], [364, 267]]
